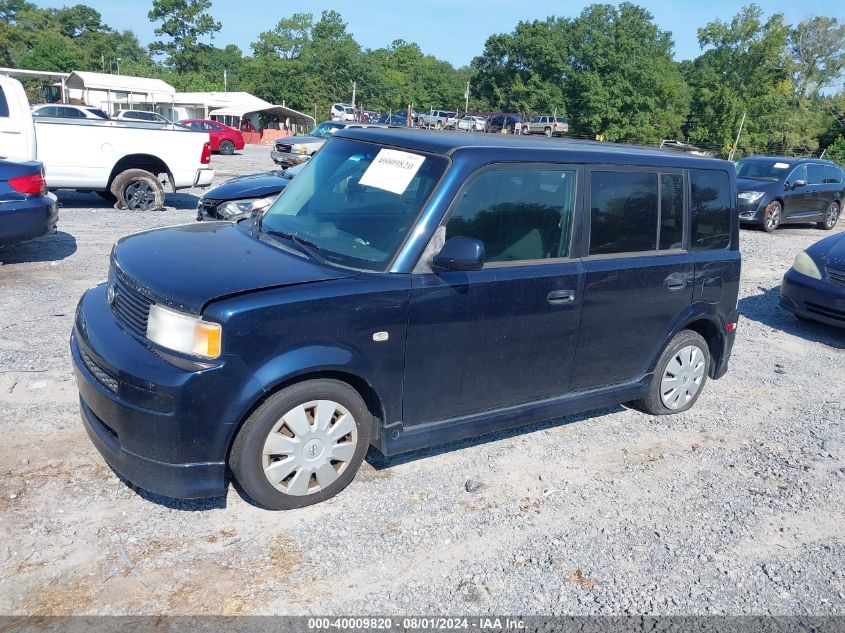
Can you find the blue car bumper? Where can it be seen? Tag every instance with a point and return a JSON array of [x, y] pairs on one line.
[[164, 427], [816, 299], [22, 220]]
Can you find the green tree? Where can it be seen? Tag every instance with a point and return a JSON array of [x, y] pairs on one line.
[[818, 51], [185, 23]]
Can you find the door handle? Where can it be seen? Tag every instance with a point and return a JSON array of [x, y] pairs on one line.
[[675, 283], [560, 297]]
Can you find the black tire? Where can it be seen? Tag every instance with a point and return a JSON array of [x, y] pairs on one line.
[[653, 403], [227, 148], [831, 217], [548, 132], [108, 196], [138, 190], [246, 457], [772, 216]]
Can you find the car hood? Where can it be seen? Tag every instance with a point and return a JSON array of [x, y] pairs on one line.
[[830, 251], [252, 186], [752, 184], [299, 140], [190, 265]]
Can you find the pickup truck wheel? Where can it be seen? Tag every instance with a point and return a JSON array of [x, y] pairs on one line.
[[138, 190], [227, 148], [303, 445]]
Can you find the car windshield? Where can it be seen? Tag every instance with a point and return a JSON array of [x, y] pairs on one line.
[[325, 129], [762, 169], [354, 202]]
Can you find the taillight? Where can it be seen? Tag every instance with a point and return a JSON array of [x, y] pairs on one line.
[[31, 184], [206, 154]]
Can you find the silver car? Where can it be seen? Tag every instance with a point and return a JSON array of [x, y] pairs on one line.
[[293, 150], [548, 125]]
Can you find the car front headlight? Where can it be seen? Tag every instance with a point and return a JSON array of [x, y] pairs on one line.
[[750, 196], [242, 208], [805, 265], [184, 333]]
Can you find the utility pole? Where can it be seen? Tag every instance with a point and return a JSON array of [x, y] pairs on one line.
[[103, 61], [736, 142], [354, 87], [225, 80], [118, 65], [466, 99]]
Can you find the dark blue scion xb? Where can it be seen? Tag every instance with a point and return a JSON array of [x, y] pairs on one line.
[[407, 289]]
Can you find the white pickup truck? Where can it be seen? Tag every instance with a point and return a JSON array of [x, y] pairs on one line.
[[126, 162]]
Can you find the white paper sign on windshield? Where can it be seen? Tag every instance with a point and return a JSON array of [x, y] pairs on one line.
[[781, 165], [392, 170]]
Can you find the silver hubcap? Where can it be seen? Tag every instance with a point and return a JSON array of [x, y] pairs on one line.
[[773, 218], [309, 448], [682, 378]]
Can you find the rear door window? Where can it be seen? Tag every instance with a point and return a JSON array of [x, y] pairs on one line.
[[816, 174], [671, 211], [623, 212], [519, 214], [710, 196]]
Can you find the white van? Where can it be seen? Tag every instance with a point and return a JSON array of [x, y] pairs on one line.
[[342, 112]]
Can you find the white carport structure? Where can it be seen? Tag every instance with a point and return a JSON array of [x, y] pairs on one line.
[[232, 108], [115, 92]]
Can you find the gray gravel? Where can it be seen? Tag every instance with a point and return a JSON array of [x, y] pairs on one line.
[[734, 507]]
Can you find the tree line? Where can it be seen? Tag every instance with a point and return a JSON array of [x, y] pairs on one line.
[[610, 70]]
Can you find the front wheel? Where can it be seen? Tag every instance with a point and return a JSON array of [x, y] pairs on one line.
[[772, 216], [303, 445], [679, 376], [227, 148], [830, 217]]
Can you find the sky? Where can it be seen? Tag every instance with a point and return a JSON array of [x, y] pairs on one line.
[[454, 30]]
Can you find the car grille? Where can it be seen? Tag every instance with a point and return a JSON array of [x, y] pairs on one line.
[[104, 378], [283, 148], [836, 276], [208, 207], [824, 311], [131, 307]]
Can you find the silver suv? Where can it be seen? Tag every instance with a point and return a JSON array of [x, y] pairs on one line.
[[437, 118], [548, 125]]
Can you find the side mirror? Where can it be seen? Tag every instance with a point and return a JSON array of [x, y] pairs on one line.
[[799, 183], [460, 253]]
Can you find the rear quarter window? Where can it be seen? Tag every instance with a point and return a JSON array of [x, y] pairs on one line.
[[832, 174], [4, 104], [711, 209]]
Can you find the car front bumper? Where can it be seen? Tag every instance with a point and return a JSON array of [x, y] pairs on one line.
[[816, 299], [22, 220], [751, 212], [288, 159], [164, 425]]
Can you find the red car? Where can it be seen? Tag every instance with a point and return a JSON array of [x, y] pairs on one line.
[[224, 139]]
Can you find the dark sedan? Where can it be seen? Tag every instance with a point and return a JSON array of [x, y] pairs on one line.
[[814, 288], [26, 209], [239, 197], [777, 190]]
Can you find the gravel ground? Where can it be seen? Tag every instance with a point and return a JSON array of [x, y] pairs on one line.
[[733, 507]]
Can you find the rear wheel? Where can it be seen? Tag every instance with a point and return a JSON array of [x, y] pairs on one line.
[[227, 148], [772, 216], [831, 217], [679, 376], [303, 445], [138, 190]]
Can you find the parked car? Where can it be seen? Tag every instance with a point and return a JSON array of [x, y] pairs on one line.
[[342, 112], [547, 124], [68, 111], [437, 118], [292, 150], [245, 195], [779, 190], [140, 157], [143, 116], [468, 123], [372, 304], [224, 139], [26, 209], [814, 288], [504, 124]]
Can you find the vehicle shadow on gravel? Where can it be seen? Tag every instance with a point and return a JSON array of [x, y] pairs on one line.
[[379, 461], [764, 309], [49, 248], [72, 200]]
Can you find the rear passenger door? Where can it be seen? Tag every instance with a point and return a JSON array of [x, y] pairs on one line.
[[503, 335], [821, 192], [638, 273]]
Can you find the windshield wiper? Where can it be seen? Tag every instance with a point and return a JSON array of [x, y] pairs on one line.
[[305, 246]]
